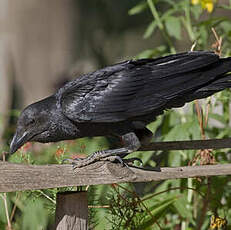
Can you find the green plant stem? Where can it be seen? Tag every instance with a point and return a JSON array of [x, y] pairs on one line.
[[161, 25], [187, 22], [155, 14]]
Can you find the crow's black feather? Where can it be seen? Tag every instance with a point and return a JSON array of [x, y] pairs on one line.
[[135, 88]]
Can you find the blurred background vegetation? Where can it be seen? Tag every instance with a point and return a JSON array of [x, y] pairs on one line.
[[46, 43]]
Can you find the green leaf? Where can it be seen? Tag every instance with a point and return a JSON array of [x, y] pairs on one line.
[[171, 3], [155, 14], [174, 158], [155, 125], [173, 26], [194, 129], [157, 210], [182, 207], [34, 216], [151, 52], [196, 11], [213, 21], [226, 26], [150, 29], [203, 35], [179, 132], [138, 8]]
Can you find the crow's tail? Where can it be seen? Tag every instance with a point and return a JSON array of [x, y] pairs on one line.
[[219, 78], [223, 82], [217, 85]]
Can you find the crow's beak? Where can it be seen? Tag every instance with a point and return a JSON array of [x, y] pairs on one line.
[[17, 141]]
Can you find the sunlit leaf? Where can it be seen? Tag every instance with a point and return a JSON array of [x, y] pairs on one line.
[[173, 26], [138, 8]]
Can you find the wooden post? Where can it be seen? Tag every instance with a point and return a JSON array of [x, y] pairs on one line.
[[71, 211]]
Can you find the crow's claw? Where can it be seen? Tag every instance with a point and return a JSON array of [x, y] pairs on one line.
[[130, 161], [70, 160], [66, 160], [77, 162], [113, 159], [81, 162]]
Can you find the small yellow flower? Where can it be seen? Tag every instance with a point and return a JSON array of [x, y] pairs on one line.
[[195, 2], [205, 4], [217, 222], [208, 5]]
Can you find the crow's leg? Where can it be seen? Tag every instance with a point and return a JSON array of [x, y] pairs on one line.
[[131, 144]]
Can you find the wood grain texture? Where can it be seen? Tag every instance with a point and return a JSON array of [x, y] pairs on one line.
[[15, 177], [71, 211]]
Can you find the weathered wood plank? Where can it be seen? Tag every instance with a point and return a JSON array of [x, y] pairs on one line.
[[15, 177]]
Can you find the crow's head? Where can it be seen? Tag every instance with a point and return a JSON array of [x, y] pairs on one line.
[[32, 124]]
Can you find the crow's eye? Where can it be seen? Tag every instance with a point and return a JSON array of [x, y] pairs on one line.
[[30, 121]]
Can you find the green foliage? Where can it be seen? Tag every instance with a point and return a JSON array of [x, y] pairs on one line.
[[172, 18], [37, 218], [173, 26]]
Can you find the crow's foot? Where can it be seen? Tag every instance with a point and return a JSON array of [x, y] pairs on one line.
[[124, 162], [81, 162], [131, 143]]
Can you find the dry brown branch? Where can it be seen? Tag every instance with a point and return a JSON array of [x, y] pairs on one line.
[[217, 45]]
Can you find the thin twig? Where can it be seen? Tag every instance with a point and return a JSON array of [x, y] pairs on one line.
[[207, 112], [218, 43], [141, 202], [50, 199], [14, 207], [200, 119], [98, 206], [193, 46], [3, 196]]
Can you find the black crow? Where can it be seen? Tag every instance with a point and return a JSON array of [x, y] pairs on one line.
[[121, 100]]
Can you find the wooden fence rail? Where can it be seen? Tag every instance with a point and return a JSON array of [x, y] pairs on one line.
[[15, 177]]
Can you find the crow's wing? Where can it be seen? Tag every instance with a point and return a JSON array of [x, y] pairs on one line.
[[136, 88]]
